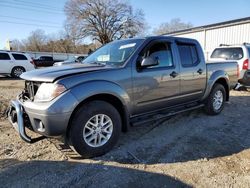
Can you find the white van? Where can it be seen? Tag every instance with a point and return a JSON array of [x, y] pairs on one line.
[[15, 63]]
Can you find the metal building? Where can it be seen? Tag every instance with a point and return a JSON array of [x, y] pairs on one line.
[[210, 36]]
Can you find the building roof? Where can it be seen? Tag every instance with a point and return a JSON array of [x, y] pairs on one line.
[[210, 26]]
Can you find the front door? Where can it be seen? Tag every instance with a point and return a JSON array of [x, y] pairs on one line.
[[155, 87]]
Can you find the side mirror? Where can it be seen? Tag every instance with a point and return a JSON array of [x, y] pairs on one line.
[[148, 62]]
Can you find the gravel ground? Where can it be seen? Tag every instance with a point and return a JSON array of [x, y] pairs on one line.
[[188, 150]]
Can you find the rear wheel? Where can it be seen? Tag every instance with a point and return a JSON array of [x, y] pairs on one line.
[[17, 71], [216, 100], [95, 128]]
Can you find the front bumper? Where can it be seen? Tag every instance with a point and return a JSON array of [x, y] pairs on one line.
[[47, 119], [15, 116]]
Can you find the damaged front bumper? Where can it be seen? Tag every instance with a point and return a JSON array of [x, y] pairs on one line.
[[18, 120], [48, 119]]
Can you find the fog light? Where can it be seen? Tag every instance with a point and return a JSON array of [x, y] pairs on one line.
[[41, 127]]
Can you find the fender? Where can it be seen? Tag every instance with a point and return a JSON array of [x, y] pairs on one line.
[[215, 76], [96, 87]]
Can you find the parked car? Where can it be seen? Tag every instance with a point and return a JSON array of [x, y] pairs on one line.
[[76, 59], [239, 53], [44, 61], [14, 63], [122, 83]]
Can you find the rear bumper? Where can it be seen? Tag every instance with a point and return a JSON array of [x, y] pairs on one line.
[[246, 79]]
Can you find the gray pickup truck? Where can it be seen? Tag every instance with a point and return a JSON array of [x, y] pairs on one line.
[[120, 84]]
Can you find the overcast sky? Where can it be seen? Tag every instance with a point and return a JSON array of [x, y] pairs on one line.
[[19, 17]]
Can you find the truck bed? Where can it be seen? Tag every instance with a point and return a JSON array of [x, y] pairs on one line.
[[228, 67]]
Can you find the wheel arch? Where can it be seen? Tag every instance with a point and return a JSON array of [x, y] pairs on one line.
[[18, 66], [219, 77], [224, 83], [111, 99]]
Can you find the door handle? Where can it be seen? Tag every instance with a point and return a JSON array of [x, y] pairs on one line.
[[173, 74], [200, 71]]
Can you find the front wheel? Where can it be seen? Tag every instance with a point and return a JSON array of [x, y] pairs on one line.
[[95, 128], [215, 102]]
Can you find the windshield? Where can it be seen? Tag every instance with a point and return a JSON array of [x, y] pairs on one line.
[[228, 53], [115, 53]]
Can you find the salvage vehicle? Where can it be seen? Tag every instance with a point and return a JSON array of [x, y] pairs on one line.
[[120, 84]]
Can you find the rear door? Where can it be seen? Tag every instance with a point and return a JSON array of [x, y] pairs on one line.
[[6, 63], [23, 61], [193, 71], [156, 87]]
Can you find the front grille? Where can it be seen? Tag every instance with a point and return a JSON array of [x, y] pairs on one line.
[[31, 89]]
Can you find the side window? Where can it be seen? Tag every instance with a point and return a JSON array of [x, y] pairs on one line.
[[19, 57], [48, 58], [4, 56], [248, 48], [161, 52], [188, 54]]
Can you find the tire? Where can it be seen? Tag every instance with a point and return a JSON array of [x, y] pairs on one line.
[[215, 102], [17, 71], [94, 145]]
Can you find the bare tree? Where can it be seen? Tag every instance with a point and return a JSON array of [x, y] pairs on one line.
[[174, 25], [17, 45], [103, 20], [35, 41], [61, 42]]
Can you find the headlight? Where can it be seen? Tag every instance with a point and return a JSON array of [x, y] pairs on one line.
[[48, 91]]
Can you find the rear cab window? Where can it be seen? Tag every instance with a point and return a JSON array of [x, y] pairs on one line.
[[46, 58], [228, 53], [188, 54], [4, 56], [19, 56]]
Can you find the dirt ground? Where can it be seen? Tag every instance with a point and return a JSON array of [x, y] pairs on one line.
[[189, 150]]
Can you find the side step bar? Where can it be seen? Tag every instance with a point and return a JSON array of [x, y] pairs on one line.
[[155, 117]]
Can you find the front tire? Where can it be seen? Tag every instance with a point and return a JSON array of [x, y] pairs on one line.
[[215, 102], [95, 128]]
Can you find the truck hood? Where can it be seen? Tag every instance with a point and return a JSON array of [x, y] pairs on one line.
[[51, 74]]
